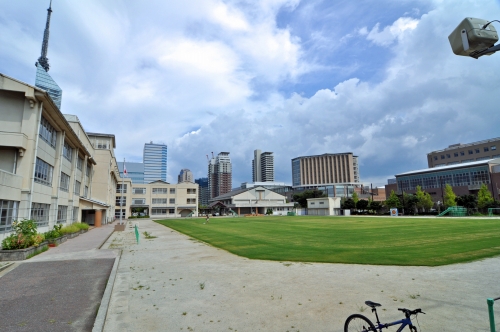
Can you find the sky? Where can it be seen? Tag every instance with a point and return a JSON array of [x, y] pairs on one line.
[[297, 78]]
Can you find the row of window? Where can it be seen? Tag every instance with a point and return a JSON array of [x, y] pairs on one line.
[[453, 178], [462, 153], [141, 191], [44, 173], [40, 212], [122, 201]]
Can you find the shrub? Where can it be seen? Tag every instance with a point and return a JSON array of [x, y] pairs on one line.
[[68, 229], [54, 233], [24, 236], [81, 225]]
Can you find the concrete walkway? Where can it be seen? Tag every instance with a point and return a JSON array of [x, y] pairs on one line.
[[60, 289], [176, 283]]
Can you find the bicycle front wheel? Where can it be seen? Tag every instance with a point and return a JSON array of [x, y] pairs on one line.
[[358, 323]]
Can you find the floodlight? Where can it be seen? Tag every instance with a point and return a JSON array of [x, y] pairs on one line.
[[474, 37]]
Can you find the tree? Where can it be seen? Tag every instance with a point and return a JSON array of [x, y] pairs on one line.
[[450, 199], [375, 206], [355, 198], [484, 198], [362, 204], [427, 202], [349, 204], [420, 198], [467, 201], [393, 201]]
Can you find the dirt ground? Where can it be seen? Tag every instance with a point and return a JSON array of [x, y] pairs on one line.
[[175, 283]]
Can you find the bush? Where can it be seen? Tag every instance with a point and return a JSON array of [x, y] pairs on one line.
[[68, 229], [132, 217], [25, 235], [81, 225], [54, 233]]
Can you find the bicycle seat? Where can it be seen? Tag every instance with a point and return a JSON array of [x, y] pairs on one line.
[[372, 304]]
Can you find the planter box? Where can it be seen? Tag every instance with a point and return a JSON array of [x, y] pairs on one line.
[[72, 235], [58, 240], [120, 228], [20, 254]]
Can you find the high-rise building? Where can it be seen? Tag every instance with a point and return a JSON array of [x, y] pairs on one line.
[[155, 162], [43, 80], [263, 166], [202, 190], [185, 176], [135, 171], [325, 169], [219, 175]]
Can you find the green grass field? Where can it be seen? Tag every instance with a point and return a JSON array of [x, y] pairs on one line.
[[357, 240]]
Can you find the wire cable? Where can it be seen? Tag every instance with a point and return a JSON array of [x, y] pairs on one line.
[[484, 26]]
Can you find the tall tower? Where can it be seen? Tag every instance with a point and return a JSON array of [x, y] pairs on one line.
[[220, 176], [185, 176], [43, 80], [263, 167], [155, 162]]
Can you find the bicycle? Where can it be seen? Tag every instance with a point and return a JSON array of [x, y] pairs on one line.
[[360, 323]]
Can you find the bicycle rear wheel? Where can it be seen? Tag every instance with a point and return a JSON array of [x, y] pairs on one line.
[[358, 323]]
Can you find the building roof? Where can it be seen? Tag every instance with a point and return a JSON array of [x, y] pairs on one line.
[[112, 136], [326, 154], [459, 145], [449, 167]]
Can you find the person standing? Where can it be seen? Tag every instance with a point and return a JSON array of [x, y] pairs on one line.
[[208, 219]]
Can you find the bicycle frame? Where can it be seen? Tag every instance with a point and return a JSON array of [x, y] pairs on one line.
[[404, 322]]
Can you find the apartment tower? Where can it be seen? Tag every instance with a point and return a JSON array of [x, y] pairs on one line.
[[185, 176], [263, 166], [219, 175]]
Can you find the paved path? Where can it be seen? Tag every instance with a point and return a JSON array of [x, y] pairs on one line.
[[175, 283], [60, 289]]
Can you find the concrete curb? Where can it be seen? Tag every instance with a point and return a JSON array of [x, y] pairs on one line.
[[100, 319], [6, 266], [105, 240]]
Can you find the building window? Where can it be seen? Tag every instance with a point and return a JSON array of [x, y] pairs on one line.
[[43, 172], [493, 147], [67, 151], [159, 201], [8, 213], [158, 211], [121, 188], [172, 190], [79, 163], [171, 211], [191, 200], [101, 144], [64, 182], [477, 150], [191, 191], [321, 202], [486, 149], [160, 190], [462, 153], [471, 152], [47, 132], [118, 211], [139, 201], [448, 155], [40, 213], [75, 214], [455, 154], [121, 200], [312, 203], [435, 158], [62, 214], [138, 190], [442, 156], [467, 160], [88, 170], [496, 156], [86, 191], [171, 200], [78, 184]]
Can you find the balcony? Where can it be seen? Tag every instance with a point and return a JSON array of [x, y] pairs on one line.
[[10, 186]]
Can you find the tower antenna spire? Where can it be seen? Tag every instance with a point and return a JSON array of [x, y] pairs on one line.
[[43, 60]]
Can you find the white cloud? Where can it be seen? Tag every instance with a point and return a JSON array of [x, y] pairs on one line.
[[392, 32]]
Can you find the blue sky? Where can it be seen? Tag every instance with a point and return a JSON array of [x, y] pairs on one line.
[[377, 78]]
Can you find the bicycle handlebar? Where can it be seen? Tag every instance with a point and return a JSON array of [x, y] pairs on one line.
[[411, 312]]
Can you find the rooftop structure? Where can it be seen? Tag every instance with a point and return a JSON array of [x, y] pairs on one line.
[[464, 153]]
